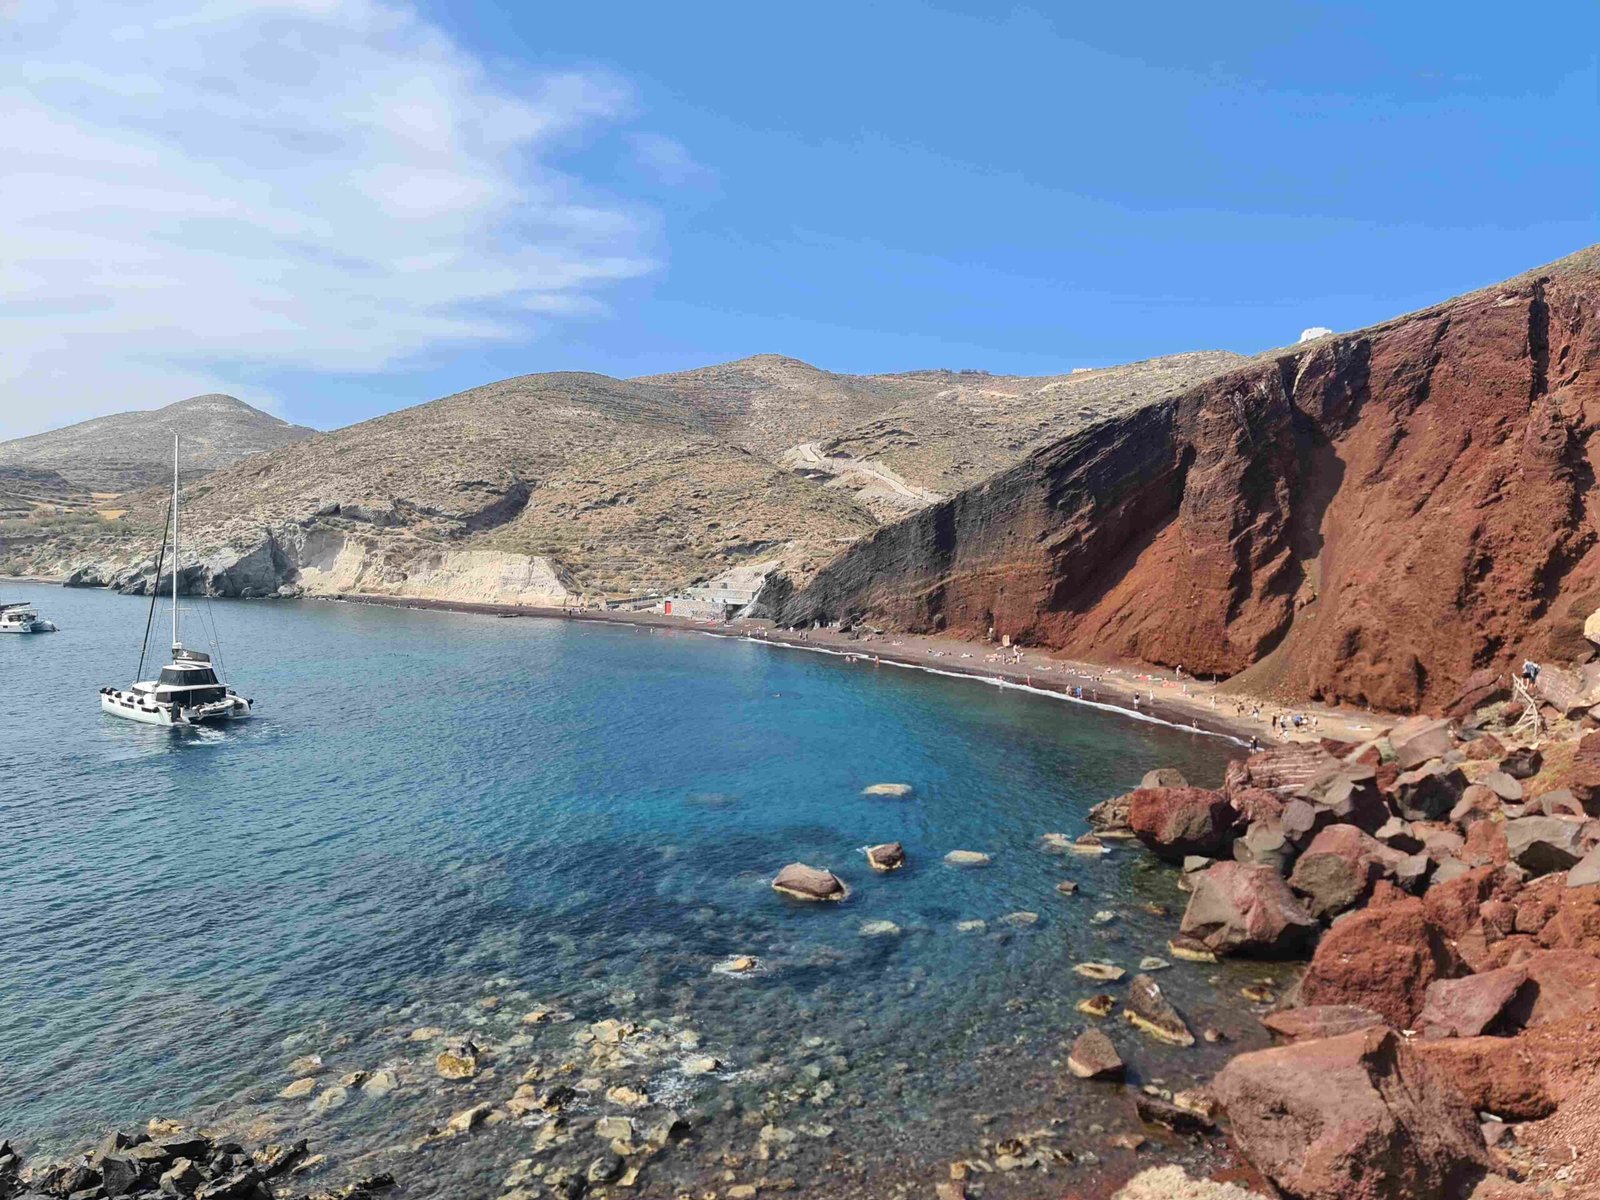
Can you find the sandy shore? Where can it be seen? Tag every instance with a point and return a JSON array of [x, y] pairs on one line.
[[1137, 691]]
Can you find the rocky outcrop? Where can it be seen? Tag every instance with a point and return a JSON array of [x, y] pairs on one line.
[[1373, 517], [802, 882], [1356, 1117]]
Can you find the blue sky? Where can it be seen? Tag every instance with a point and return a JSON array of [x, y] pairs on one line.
[[867, 187]]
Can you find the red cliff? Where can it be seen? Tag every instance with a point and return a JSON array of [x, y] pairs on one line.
[[1366, 518]]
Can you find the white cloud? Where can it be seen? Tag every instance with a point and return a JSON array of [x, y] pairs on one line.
[[197, 191], [668, 160]]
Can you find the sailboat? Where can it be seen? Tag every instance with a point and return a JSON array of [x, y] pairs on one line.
[[187, 691], [23, 618]]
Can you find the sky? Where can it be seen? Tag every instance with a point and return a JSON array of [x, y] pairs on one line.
[[336, 208]]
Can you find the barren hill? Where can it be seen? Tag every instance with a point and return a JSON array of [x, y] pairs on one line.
[[1367, 517], [543, 488], [130, 450]]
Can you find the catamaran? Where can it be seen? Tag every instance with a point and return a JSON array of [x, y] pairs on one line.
[[187, 691], [23, 618]]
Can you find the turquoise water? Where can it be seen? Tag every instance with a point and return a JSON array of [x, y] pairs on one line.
[[432, 809]]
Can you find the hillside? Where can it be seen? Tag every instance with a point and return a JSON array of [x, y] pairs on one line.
[[1366, 517], [543, 488], [131, 450]]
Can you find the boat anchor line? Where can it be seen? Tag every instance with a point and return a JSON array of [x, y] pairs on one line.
[[188, 691]]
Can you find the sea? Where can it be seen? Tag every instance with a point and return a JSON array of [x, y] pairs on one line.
[[548, 839]]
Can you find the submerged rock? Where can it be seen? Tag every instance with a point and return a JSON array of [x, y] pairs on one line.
[[801, 882], [879, 929], [1097, 1006], [887, 789], [967, 858], [459, 1061], [1103, 972], [1150, 1010], [1094, 1057]]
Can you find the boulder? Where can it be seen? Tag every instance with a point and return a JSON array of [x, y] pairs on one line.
[[1471, 1005], [1320, 1021], [1542, 845], [1559, 803], [1382, 957], [1338, 869], [1483, 686], [1483, 748], [1587, 872], [457, 1061], [1148, 1009], [1175, 822], [1280, 768], [801, 882], [1351, 795], [1164, 777], [1255, 804], [889, 856], [1356, 1117], [1428, 792], [1245, 909], [1562, 985], [1265, 843], [1521, 1078], [1431, 739], [1505, 786], [1110, 815], [1525, 761], [1094, 1057], [1477, 803]]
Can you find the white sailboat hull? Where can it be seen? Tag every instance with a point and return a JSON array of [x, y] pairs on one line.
[[130, 706], [30, 627]]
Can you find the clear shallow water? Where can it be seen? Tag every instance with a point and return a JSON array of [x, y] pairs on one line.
[[434, 808]]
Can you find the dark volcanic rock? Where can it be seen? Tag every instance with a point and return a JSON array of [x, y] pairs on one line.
[[1542, 845], [1357, 1117]]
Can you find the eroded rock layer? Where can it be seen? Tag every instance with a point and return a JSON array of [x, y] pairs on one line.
[[1368, 518]]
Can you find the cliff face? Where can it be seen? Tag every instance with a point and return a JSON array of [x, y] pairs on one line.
[[1368, 517]]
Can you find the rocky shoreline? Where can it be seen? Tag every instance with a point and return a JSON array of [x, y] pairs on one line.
[[1443, 1039]]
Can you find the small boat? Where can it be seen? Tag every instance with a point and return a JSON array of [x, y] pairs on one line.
[[23, 618], [188, 690]]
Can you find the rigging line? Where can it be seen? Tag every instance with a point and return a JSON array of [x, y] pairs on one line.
[[216, 640], [155, 591]]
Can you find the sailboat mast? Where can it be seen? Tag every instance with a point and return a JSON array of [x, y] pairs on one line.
[[175, 642]]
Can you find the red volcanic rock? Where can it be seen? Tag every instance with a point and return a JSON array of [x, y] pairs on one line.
[[1320, 1021], [1381, 957], [1562, 985], [1245, 909], [1468, 1006], [1357, 1117], [1281, 768], [1521, 1078], [1483, 747], [1255, 804], [1385, 512], [1422, 743], [1482, 687], [1177, 822], [1456, 906], [1543, 845]]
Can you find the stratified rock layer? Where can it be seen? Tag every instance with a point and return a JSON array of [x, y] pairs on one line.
[[1371, 518]]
